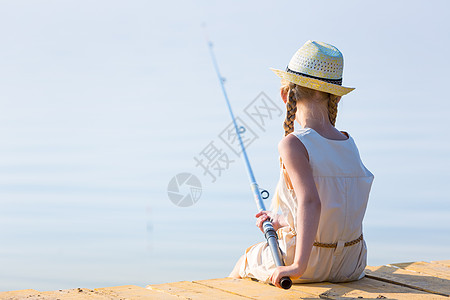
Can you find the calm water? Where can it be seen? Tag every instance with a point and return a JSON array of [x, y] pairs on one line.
[[86, 204], [98, 115]]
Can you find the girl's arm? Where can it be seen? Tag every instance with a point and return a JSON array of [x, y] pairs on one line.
[[295, 158]]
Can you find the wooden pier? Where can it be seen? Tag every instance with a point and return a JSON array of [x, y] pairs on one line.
[[416, 280]]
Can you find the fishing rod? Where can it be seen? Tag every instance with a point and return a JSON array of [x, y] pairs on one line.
[[269, 232]]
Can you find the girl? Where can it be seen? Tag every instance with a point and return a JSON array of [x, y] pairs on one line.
[[324, 186]]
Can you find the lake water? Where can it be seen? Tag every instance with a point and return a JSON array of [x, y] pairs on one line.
[[102, 104], [85, 202]]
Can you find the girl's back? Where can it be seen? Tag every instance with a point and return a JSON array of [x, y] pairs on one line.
[[323, 187], [343, 184]]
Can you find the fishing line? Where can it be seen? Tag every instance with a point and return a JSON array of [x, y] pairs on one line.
[[269, 232]]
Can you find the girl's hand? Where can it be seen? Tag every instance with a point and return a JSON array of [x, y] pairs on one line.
[[276, 219], [292, 271]]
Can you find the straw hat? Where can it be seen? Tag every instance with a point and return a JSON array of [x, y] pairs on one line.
[[317, 66]]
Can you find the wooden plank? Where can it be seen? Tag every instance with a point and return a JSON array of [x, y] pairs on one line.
[[59, 294], [365, 288], [192, 290], [134, 292], [317, 289], [442, 262], [254, 289], [78, 293], [19, 294], [422, 282], [437, 270], [119, 292]]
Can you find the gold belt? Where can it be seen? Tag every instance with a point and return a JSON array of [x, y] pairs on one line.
[[334, 245]]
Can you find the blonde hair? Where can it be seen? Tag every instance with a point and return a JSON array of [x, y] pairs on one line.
[[294, 93]]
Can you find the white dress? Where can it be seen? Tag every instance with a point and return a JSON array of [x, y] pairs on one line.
[[343, 183]]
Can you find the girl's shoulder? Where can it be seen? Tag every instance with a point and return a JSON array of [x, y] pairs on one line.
[[290, 143], [294, 139]]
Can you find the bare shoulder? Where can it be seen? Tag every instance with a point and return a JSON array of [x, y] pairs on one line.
[[295, 159], [291, 147]]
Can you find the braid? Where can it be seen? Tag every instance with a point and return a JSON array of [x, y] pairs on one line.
[[332, 109], [294, 92], [291, 109], [288, 125]]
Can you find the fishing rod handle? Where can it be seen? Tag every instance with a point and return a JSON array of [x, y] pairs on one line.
[[272, 241], [286, 283]]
